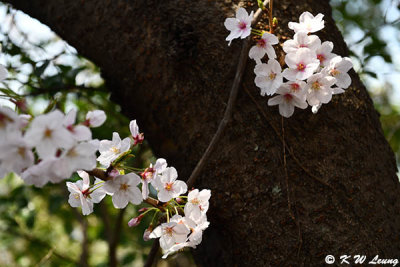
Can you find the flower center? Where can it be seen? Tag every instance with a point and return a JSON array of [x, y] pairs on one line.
[[303, 45], [334, 72], [272, 76], [261, 43], [321, 57], [114, 150], [47, 133], [242, 25], [294, 87], [195, 201], [301, 66], [288, 97], [21, 152], [169, 231], [316, 86], [124, 187], [168, 186], [72, 153]]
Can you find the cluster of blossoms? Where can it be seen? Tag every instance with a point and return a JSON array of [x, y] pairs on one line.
[[313, 72], [61, 146], [52, 146]]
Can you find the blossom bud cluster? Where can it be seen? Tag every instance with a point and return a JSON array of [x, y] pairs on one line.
[[313, 73]]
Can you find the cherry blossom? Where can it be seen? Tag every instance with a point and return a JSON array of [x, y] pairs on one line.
[[123, 189], [264, 46], [239, 26], [171, 233], [319, 89], [82, 156], [324, 53], [167, 185], [197, 202], [79, 132], [41, 173], [338, 68], [301, 40], [15, 154], [308, 23], [82, 196], [136, 135], [9, 121], [48, 134], [111, 150], [3, 72], [149, 175], [302, 64], [287, 100], [268, 77], [95, 118]]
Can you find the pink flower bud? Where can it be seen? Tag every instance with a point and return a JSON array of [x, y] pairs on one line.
[[143, 210], [146, 234], [135, 221]]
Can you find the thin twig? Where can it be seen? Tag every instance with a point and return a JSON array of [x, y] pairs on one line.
[[231, 102], [271, 26], [286, 173], [286, 145]]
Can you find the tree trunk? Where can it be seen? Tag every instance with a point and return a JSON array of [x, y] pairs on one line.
[[168, 65]]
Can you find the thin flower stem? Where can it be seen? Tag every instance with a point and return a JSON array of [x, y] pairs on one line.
[[271, 27]]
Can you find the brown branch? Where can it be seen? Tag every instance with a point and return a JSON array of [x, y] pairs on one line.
[[113, 242], [152, 254]]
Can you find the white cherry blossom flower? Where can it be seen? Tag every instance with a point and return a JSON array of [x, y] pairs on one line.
[[287, 100], [308, 23], [324, 53], [3, 72], [170, 233], [9, 121], [79, 132], [48, 134], [81, 195], [239, 26], [268, 77], [136, 135], [167, 185], [123, 189], [301, 40], [338, 68], [95, 118], [80, 157], [302, 64], [197, 202], [319, 89], [264, 46], [15, 154], [111, 150], [41, 173], [149, 175]]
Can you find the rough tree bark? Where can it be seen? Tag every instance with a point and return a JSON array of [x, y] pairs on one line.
[[168, 65]]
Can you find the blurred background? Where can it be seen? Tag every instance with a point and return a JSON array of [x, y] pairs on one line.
[[39, 228]]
